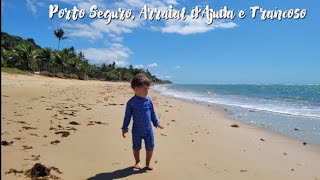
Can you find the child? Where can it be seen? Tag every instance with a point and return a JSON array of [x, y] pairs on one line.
[[141, 108]]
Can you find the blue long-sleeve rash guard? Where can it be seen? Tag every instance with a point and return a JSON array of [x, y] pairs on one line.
[[143, 112]]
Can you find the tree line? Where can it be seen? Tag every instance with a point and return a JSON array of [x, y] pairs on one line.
[[25, 54]]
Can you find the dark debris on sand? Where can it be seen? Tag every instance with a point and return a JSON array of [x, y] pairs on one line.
[[27, 127], [13, 171], [235, 125], [96, 122], [39, 171], [55, 142], [304, 143], [74, 123], [63, 133], [6, 143]]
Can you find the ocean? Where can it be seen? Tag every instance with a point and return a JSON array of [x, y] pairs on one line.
[[291, 110]]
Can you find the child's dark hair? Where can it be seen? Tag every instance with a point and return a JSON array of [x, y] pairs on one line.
[[139, 80]]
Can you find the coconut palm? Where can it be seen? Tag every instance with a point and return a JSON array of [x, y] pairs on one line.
[[44, 57], [5, 57], [24, 55], [59, 33]]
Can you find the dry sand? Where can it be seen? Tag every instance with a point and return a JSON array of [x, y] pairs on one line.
[[75, 126]]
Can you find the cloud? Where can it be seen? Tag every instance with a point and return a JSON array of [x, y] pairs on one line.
[[117, 53], [162, 76], [98, 28], [139, 66], [153, 65], [193, 26], [32, 5], [178, 67], [138, 4]]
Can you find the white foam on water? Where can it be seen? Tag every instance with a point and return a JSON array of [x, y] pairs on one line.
[[275, 106]]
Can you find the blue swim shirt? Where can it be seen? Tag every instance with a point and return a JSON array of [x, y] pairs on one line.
[[143, 112]]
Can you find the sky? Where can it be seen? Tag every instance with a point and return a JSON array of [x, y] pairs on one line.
[[190, 51]]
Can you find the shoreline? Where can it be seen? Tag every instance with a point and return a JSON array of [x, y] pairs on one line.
[[233, 112], [36, 108], [227, 114]]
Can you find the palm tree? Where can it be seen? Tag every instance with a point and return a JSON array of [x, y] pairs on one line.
[[44, 57], [59, 34], [81, 55], [5, 56], [24, 55]]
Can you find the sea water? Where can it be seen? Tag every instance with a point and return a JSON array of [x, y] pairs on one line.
[[292, 110]]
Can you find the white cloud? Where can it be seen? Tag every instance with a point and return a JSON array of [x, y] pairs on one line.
[[139, 66], [162, 76], [79, 30], [117, 53], [178, 67], [138, 4], [193, 26], [97, 28], [115, 37], [33, 5], [153, 65]]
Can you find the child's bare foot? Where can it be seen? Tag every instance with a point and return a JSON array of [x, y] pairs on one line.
[[149, 167], [137, 166]]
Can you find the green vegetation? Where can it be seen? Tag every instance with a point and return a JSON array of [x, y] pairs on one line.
[[14, 71], [25, 55]]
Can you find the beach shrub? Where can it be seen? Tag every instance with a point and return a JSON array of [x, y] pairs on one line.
[[46, 73], [73, 76], [112, 76], [60, 75]]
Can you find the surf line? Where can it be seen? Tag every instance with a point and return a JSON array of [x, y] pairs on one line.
[[158, 14]]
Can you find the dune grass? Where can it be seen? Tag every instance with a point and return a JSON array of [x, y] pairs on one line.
[[14, 71]]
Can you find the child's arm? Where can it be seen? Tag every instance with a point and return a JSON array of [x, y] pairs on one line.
[[154, 119], [127, 118]]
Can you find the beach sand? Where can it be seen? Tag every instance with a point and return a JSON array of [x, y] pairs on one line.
[[74, 126]]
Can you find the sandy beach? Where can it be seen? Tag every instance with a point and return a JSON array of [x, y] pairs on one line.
[[74, 127]]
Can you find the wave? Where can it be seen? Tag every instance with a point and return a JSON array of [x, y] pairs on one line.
[[233, 99]]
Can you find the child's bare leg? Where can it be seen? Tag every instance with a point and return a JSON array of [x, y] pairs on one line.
[[136, 154], [148, 159]]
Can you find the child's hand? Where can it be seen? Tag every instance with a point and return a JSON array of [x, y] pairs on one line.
[[159, 126], [124, 134]]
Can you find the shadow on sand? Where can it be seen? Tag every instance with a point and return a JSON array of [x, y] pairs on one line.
[[121, 173]]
